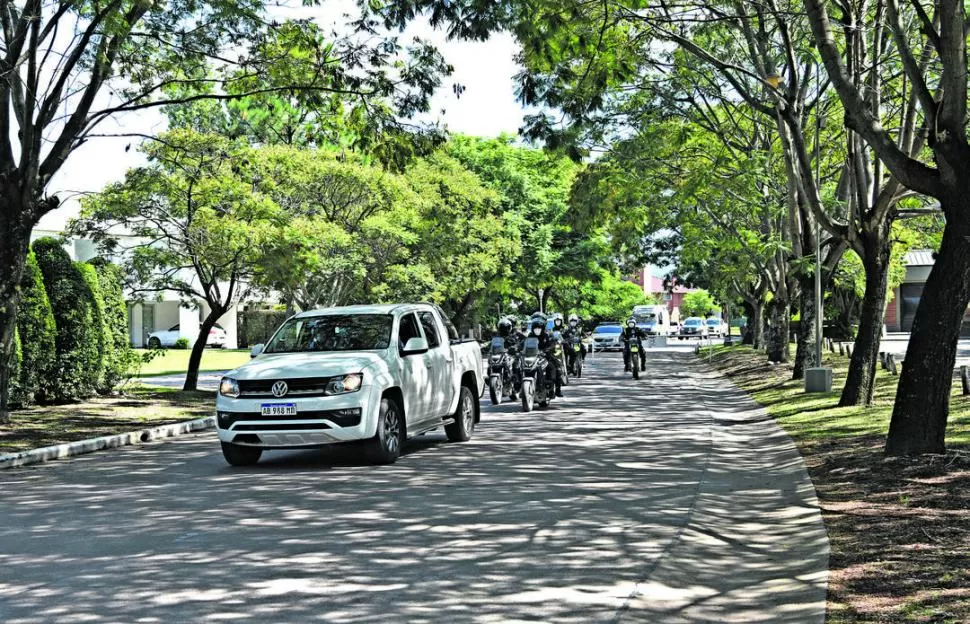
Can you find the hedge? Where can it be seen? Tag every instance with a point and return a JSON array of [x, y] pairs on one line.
[[15, 391], [76, 368], [35, 324], [121, 359], [102, 341]]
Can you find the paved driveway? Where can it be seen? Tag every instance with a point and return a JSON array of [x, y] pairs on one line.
[[671, 499]]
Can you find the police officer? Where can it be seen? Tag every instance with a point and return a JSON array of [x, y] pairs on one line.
[[572, 330], [630, 333], [547, 344]]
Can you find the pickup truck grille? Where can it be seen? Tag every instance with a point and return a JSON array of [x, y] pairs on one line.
[[302, 387], [342, 418]]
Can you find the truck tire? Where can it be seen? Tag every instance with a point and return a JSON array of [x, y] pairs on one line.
[[237, 455], [385, 446], [461, 430]]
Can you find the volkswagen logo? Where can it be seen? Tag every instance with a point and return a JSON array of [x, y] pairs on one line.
[[280, 389]]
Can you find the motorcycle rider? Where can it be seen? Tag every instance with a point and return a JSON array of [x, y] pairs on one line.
[[630, 333], [574, 330], [547, 344]]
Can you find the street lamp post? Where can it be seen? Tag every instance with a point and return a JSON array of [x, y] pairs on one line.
[[818, 222]]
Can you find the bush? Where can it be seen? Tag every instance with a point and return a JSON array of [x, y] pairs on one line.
[[181, 343], [101, 340], [35, 323], [121, 361], [77, 358], [16, 391]]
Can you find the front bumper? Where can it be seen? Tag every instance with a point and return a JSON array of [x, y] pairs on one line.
[[319, 420]]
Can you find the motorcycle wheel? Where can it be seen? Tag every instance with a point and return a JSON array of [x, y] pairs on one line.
[[579, 368], [528, 396], [495, 390], [635, 364]]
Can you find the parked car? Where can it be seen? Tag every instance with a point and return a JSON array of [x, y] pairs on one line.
[[377, 374], [167, 338], [716, 327], [694, 327], [607, 338]]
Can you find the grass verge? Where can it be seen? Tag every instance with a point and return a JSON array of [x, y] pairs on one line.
[[176, 361], [140, 408], [899, 528]]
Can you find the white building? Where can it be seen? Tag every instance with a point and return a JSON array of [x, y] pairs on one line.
[[164, 312]]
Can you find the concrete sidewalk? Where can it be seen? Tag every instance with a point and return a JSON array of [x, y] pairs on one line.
[[754, 548]]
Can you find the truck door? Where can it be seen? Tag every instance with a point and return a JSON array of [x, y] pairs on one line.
[[415, 373], [442, 364]]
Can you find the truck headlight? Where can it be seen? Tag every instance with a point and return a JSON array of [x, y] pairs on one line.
[[229, 387], [345, 384]]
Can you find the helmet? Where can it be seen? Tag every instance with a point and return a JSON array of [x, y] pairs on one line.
[[557, 320], [631, 322], [537, 324], [573, 319], [505, 327]]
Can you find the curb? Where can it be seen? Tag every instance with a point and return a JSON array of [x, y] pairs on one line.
[[82, 447]]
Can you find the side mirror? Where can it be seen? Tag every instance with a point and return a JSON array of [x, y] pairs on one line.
[[415, 346], [257, 349]]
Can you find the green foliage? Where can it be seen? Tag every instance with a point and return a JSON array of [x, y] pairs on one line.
[[20, 396], [181, 343], [608, 297], [121, 360], [35, 324], [102, 341], [698, 303], [77, 358]]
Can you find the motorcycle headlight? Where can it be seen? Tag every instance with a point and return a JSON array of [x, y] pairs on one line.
[[229, 387], [495, 359], [345, 384], [531, 361]]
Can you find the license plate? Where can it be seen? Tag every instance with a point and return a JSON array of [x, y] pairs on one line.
[[576, 348], [278, 409], [635, 349]]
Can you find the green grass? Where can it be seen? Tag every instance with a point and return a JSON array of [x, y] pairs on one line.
[[175, 361], [139, 408], [896, 526]]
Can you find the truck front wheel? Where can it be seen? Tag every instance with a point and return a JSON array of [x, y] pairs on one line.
[[237, 455], [385, 446]]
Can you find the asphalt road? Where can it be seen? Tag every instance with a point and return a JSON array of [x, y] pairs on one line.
[[670, 499]]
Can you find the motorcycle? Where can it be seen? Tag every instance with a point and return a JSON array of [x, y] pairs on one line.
[[559, 353], [574, 355], [538, 386], [501, 380], [636, 346]]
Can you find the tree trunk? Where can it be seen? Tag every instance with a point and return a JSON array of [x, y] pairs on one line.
[[195, 360], [861, 379], [758, 325], [922, 404], [780, 327], [805, 351], [15, 236]]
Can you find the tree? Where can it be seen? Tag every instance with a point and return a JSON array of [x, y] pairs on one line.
[[931, 52], [197, 223], [101, 339], [698, 303], [69, 66], [35, 324]]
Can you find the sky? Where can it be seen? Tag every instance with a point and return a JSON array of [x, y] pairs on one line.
[[486, 108]]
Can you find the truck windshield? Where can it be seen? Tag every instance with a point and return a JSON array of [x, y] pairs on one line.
[[332, 332]]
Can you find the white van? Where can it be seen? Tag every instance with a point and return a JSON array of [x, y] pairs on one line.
[[653, 319]]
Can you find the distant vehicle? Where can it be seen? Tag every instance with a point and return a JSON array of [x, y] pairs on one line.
[[376, 374], [653, 319], [168, 338], [716, 327], [607, 338], [694, 327]]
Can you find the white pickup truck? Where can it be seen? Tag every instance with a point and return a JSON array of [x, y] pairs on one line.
[[378, 374]]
